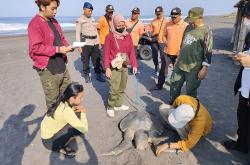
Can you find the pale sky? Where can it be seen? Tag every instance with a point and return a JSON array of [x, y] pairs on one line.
[[22, 8]]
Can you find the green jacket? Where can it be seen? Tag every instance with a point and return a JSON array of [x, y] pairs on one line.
[[196, 48]]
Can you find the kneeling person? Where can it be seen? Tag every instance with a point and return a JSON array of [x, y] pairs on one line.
[[65, 120], [189, 118]]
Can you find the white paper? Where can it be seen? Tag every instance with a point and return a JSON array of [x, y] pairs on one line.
[[78, 44]]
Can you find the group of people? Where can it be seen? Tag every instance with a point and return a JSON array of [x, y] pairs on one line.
[[111, 44]]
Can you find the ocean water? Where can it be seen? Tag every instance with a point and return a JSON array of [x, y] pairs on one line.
[[18, 25]]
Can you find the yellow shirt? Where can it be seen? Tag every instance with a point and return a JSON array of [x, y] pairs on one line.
[[200, 126], [64, 114], [158, 28], [174, 34], [103, 28], [137, 31]]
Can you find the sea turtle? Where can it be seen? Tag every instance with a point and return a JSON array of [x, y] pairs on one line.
[[138, 126]]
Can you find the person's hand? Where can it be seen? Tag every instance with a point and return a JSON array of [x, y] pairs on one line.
[[65, 49], [202, 73], [160, 149], [80, 108], [134, 70], [243, 59], [108, 73], [100, 46], [80, 50]]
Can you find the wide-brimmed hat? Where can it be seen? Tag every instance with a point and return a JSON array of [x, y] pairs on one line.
[[179, 117], [194, 14]]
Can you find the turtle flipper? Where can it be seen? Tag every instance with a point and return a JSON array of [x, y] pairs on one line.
[[126, 121], [119, 149]]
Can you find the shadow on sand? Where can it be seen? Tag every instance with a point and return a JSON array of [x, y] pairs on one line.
[[56, 158], [16, 135]]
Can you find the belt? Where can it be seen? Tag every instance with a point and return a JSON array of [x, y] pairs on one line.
[[89, 37]]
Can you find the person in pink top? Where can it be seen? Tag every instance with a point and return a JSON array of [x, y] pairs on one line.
[[47, 49], [118, 50]]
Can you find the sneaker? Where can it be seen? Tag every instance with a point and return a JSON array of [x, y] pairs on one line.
[[121, 108], [110, 112]]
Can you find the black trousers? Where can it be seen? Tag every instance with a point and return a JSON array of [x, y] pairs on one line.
[[93, 52], [243, 116], [156, 47], [165, 61], [62, 137]]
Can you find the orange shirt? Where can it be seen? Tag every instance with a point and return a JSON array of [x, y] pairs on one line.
[[158, 28], [174, 34], [137, 31], [103, 28]]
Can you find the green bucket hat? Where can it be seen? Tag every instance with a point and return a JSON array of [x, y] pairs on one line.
[[194, 14]]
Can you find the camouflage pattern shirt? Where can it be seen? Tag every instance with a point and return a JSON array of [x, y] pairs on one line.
[[196, 48]]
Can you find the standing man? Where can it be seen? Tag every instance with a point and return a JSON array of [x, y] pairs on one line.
[[158, 44], [135, 27], [47, 49], [86, 31], [173, 34], [195, 56], [104, 27]]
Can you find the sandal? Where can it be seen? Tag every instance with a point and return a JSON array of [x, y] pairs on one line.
[[68, 152]]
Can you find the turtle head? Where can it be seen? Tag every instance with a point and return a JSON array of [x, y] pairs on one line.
[[141, 140]]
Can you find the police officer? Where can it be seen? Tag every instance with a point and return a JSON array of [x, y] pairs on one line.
[[86, 31]]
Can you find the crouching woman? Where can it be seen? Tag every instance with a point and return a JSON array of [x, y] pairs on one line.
[[65, 120], [190, 119]]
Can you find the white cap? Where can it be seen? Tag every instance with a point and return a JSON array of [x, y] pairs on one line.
[[179, 117]]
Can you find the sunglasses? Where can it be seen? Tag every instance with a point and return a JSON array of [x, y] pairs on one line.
[[110, 12]]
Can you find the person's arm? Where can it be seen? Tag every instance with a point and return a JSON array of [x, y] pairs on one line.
[[107, 47], [165, 34], [78, 30], [79, 124], [106, 58], [194, 136], [132, 56], [207, 46], [244, 59], [36, 42]]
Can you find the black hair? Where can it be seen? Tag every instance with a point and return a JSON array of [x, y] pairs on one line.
[[73, 89], [45, 3]]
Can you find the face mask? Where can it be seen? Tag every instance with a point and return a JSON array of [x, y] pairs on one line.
[[120, 30]]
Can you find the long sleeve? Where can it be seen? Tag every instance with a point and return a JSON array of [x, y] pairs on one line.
[[36, 39], [197, 131], [132, 56], [79, 124], [107, 50], [208, 46], [78, 30]]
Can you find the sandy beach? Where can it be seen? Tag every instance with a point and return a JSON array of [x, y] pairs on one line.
[[23, 106]]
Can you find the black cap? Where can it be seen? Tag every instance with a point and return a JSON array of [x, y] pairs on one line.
[[136, 10], [110, 8], [158, 9], [175, 11]]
